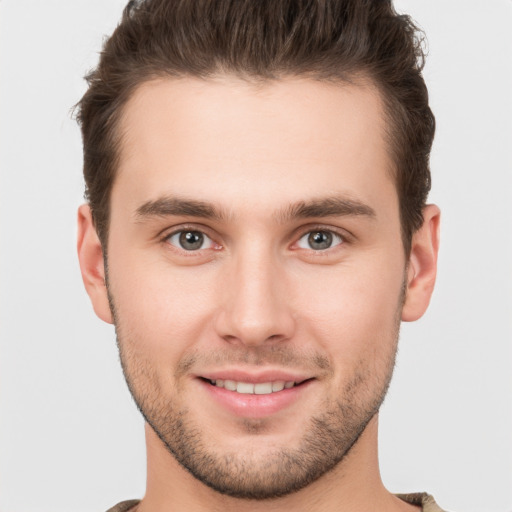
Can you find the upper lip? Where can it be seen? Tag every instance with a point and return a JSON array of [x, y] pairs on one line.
[[255, 377]]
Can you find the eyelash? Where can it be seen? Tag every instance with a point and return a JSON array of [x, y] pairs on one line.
[[332, 241], [344, 236], [184, 229]]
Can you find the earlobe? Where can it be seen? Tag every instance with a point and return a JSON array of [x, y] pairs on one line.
[[90, 256], [422, 267]]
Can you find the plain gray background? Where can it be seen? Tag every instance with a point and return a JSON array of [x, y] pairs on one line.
[[71, 438]]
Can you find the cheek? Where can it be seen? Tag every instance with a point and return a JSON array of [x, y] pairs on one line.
[[160, 310], [355, 314]]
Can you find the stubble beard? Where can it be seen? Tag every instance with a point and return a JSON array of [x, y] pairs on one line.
[[328, 438]]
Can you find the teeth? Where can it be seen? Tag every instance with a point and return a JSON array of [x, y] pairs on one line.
[[230, 384], [247, 388], [264, 388], [278, 385]]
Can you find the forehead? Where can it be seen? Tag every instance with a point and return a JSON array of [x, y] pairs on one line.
[[240, 141]]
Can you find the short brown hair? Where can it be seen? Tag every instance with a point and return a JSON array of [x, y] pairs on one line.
[[335, 40]]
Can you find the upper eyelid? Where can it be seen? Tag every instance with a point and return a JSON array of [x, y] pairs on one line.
[[167, 234], [343, 242], [335, 233], [169, 231], [206, 239], [346, 235], [298, 233]]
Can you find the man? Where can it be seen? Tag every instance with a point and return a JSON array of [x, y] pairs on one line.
[[257, 229]]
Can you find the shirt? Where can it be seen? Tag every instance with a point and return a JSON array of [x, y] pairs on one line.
[[418, 498]]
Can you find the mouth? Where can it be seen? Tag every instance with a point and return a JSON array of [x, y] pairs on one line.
[[250, 388], [255, 395]]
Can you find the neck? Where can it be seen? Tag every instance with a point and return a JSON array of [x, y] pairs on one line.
[[353, 485]]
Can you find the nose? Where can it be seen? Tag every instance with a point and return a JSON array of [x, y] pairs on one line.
[[254, 308]]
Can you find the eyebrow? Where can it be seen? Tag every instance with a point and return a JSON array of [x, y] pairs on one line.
[[168, 206], [324, 207]]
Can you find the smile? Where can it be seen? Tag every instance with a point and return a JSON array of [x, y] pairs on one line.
[[248, 388], [256, 395]]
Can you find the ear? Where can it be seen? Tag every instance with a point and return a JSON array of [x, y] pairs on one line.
[[90, 256], [422, 268]]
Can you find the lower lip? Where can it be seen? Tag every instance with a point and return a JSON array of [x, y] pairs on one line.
[[255, 406]]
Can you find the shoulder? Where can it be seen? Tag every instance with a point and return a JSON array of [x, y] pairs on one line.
[[426, 501], [124, 506]]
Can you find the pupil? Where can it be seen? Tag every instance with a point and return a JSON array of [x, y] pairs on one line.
[[191, 240], [320, 240]]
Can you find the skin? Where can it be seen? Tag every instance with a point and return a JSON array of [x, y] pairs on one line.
[[258, 297]]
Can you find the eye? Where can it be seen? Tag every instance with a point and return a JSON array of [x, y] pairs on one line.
[[190, 240], [319, 240]]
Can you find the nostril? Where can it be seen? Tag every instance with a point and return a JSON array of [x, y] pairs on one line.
[[231, 339]]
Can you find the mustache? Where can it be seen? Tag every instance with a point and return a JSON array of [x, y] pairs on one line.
[[284, 357]]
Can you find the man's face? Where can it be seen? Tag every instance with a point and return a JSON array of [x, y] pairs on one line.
[[255, 245]]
